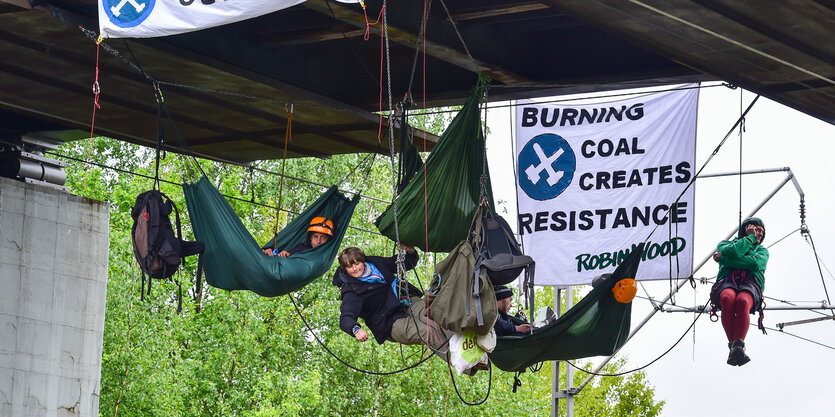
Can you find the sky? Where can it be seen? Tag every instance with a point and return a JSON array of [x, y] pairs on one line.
[[787, 375]]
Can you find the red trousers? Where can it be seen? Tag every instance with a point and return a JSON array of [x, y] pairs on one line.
[[735, 309]]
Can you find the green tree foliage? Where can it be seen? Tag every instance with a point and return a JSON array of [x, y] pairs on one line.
[[236, 353]]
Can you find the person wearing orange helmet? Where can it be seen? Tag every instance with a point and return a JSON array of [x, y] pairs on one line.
[[319, 232]]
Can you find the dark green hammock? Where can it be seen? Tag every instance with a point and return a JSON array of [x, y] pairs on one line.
[[453, 171], [234, 261], [597, 325]]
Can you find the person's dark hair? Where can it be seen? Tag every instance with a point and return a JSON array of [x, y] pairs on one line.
[[351, 255]]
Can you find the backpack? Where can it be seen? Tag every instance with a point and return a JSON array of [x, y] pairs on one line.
[[461, 296], [158, 250], [503, 257]]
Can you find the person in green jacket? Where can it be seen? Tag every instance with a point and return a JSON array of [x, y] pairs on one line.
[[739, 284]]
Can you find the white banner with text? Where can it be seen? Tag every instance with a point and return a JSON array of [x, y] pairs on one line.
[[151, 18], [594, 180]]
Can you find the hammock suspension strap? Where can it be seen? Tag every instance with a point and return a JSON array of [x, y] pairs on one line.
[[288, 136]]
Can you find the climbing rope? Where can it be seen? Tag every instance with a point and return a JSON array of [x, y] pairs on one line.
[[421, 45], [288, 136], [489, 386], [324, 346], [713, 154], [650, 362], [460, 38], [96, 105]]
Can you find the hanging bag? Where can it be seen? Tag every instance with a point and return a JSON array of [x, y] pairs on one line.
[[503, 255], [461, 297], [157, 248]]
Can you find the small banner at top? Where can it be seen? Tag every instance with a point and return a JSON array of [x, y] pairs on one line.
[[151, 18], [594, 180]]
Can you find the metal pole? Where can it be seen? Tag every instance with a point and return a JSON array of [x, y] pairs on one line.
[[569, 371], [696, 309], [746, 172], [555, 380], [681, 283], [792, 323]]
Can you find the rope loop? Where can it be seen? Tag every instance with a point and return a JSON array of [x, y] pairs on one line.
[[368, 24]]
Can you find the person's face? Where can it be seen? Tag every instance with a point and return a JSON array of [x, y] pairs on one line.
[[505, 304], [756, 230], [355, 269], [317, 238]]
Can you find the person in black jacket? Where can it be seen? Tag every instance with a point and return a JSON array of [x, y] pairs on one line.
[[371, 291], [504, 326]]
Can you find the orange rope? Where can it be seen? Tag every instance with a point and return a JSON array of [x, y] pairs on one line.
[[426, 219], [96, 105], [288, 136]]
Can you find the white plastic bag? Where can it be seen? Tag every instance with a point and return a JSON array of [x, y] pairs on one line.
[[465, 352]]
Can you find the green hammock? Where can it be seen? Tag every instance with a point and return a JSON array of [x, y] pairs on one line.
[[453, 171], [234, 261], [597, 325]]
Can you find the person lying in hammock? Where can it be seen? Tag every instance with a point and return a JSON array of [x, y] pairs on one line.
[[370, 290], [319, 232], [739, 284], [504, 326]]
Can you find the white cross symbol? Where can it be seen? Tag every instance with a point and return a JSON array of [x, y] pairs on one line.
[[544, 165], [117, 10]]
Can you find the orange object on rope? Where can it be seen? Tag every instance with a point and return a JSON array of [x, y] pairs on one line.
[[288, 136], [96, 105]]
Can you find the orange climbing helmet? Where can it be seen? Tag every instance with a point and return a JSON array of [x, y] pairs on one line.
[[322, 225], [625, 290]]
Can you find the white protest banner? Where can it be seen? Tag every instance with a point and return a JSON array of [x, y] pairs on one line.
[[150, 18], [595, 179]]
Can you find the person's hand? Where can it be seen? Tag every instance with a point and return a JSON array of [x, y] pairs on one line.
[[361, 335], [283, 254], [716, 256], [268, 251], [523, 328], [753, 229]]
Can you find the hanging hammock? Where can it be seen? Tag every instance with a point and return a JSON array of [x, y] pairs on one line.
[[234, 261], [597, 325], [454, 171], [410, 162]]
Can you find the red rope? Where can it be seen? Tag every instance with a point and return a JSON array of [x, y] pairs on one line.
[[96, 105], [425, 167], [365, 37], [368, 25], [426, 221]]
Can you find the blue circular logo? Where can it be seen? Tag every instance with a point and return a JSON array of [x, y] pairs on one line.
[[546, 166], [128, 13]]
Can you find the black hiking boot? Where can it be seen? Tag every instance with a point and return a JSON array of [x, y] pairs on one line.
[[738, 353], [731, 358]]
